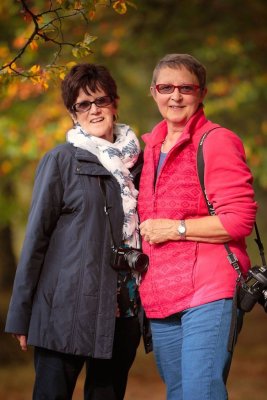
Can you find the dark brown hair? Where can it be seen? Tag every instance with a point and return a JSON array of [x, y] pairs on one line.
[[181, 60], [88, 77]]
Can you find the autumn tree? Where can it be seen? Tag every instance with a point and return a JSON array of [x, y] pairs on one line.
[[40, 41]]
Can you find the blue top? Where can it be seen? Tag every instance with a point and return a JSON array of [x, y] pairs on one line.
[[161, 161]]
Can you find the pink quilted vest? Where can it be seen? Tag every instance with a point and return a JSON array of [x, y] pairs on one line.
[[168, 285]]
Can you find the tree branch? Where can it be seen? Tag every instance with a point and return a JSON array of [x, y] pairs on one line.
[[39, 31], [55, 17]]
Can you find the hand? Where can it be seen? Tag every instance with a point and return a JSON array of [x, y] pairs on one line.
[[22, 341], [159, 230]]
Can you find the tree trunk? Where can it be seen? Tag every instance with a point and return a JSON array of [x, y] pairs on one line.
[[7, 257]]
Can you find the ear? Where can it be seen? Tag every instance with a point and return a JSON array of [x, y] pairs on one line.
[[153, 92], [73, 117], [203, 94]]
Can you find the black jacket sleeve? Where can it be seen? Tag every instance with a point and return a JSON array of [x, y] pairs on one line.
[[43, 216]]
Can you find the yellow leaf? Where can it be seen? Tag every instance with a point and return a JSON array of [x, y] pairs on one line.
[[3, 52], [71, 64], [35, 69], [13, 66], [44, 85], [12, 90], [62, 75], [25, 147], [36, 79], [120, 7], [78, 5]]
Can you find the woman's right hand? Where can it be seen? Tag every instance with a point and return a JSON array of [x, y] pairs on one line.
[[22, 341], [156, 231]]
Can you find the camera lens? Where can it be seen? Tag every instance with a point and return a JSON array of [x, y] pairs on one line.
[[137, 260]]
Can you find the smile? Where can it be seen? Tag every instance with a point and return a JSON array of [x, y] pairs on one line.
[[95, 120]]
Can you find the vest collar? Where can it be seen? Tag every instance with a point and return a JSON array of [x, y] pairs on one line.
[[160, 131]]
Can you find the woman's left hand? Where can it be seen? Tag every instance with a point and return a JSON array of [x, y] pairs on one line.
[[22, 341], [159, 230]]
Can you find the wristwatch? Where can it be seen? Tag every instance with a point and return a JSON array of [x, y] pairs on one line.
[[182, 229]]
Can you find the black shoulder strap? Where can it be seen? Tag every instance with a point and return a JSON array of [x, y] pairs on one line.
[[200, 167], [230, 256], [103, 191], [260, 245]]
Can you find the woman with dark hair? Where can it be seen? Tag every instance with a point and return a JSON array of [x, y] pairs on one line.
[[187, 291], [68, 301]]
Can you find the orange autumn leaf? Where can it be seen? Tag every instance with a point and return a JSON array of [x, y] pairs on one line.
[[34, 45], [92, 15], [19, 41], [6, 167], [110, 48]]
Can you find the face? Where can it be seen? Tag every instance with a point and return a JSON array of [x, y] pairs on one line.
[[98, 121], [177, 108]]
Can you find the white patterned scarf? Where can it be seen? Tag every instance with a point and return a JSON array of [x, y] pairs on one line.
[[117, 158]]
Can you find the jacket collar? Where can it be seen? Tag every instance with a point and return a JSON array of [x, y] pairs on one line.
[[84, 155], [95, 165]]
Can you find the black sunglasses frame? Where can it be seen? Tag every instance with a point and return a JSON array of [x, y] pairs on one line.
[[97, 102]]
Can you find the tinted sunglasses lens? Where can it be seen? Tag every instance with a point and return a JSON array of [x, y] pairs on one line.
[[165, 88], [83, 106], [103, 101], [187, 89]]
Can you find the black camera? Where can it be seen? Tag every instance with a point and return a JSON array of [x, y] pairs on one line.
[[254, 289], [128, 258]]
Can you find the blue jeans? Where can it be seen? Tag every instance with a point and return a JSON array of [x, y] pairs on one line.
[[191, 351]]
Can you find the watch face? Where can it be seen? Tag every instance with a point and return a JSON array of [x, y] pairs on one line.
[[181, 229]]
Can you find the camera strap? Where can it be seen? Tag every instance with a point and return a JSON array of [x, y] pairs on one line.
[[103, 191], [230, 255], [200, 167], [260, 245]]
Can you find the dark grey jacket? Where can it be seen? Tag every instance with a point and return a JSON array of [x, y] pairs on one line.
[[64, 295]]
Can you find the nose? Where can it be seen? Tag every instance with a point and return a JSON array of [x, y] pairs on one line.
[[176, 94], [94, 109]]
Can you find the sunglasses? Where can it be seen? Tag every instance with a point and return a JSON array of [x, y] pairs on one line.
[[86, 105], [165, 88]]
